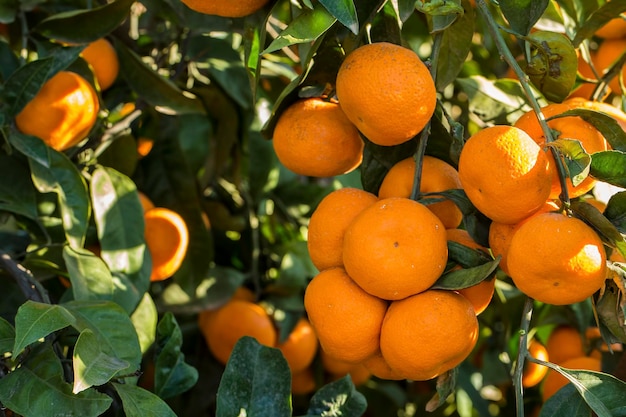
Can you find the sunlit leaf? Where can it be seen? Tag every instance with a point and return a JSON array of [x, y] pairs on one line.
[[89, 275], [577, 161], [605, 123], [34, 321], [609, 166], [138, 402], [615, 210], [145, 319]]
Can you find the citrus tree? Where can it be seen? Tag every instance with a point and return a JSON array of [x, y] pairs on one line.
[[312, 208]]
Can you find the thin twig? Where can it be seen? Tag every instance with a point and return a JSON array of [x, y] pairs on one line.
[[24, 279]]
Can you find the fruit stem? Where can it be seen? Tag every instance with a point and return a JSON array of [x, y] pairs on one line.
[[522, 354], [508, 57]]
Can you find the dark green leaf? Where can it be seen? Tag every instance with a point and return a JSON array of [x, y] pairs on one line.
[[606, 124], [25, 83], [607, 231], [120, 154], [597, 19], [345, 12], [296, 267], [172, 375], [615, 211], [138, 402], [152, 87], [37, 389], [30, 146], [34, 321], [455, 46], [609, 308], [439, 7], [9, 62], [92, 366], [338, 398], [89, 275], [7, 336], [307, 27], [82, 26], [404, 9], [523, 14], [17, 193], [446, 384], [64, 179], [609, 166], [566, 402], [257, 379], [8, 11], [577, 161]]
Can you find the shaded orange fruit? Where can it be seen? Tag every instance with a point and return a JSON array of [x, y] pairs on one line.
[[478, 295], [144, 146], [564, 342], [607, 54], [437, 175], [387, 92], [618, 115], [226, 8], [378, 367], [167, 239], [613, 29], [329, 222], [300, 347], [333, 365], [585, 89], [145, 201], [346, 319], [534, 373], [565, 128], [504, 173], [303, 382], [236, 319], [395, 248], [557, 259], [314, 137], [62, 113], [428, 334], [102, 58], [555, 381]]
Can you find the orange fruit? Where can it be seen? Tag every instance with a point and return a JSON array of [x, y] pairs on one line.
[[236, 319], [144, 146], [613, 29], [437, 175], [300, 347], [504, 173], [478, 295], [584, 90], [557, 259], [395, 248], [564, 342], [167, 239], [314, 137], [359, 374], [303, 382], [567, 128], [333, 365], [428, 334], [608, 52], [145, 201], [329, 222], [534, 373], [618, 115], [226, 8], [555, 381], [346, 319], [102, 58], [62, 113], [378, 367], [387, 92], [500, 234]]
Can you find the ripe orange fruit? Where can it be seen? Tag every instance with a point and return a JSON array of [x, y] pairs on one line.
[[478, 295], [236, 319], [62, 113], [303, 382], [103, 59], [613, 29], [557, 259], [145, 201], [167, 239], [568, 128], [608, 52], [395, 248], [584, 90], [300, 347], [437, 175], [329, 222], [314, 137], [226, 8], [427, 334], [346, 319], [555, 381], [335, 366], [533, 372], [616, 113], [504, 173], [378, 367], [387, 92], [144, 146], [564, 343]]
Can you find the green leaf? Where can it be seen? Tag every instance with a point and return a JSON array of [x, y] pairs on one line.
[[92, 366], [256, 379], [172, 375], [345, 12], [577, 161], [609, 166], [83, 26], [566, 402], [120, 227], [9, 62], [24, 83], [610, 309], [137, 402], [34, 321], [606, 124], [37, 389], [455, 46], [607, 231], [307, 27], [338, 398], [7, 336], [615, 210], [439, 7], [296, 267], [597, 19], [523, 14], [8, 11], [89, 275], [30, 146], [17, 192], [64, 179], [145, 319], [154, 88], [446, 384]]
